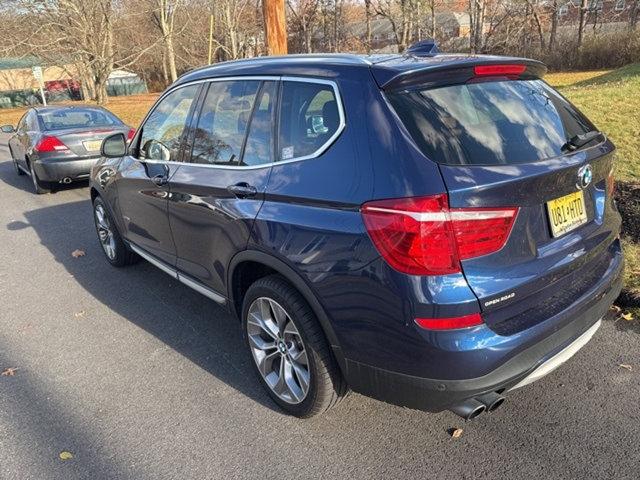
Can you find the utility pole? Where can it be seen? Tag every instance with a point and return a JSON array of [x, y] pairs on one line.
[[275, 26]]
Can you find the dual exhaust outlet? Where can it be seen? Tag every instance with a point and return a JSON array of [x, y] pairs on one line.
[[472, 407]]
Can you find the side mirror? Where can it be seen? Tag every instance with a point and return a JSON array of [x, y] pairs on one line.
[[7, 129], [114, 146]]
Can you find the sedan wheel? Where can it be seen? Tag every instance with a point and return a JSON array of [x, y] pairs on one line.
[[37, 184], [278, 350]]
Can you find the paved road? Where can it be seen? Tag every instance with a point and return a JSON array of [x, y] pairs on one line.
[[139, 377]]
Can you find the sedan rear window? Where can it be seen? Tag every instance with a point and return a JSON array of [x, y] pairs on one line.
[[487, 123], [77, 118]]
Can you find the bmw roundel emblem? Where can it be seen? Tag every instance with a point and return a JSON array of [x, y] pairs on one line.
[[585, 175]]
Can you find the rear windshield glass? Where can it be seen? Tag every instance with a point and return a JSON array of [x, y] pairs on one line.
[[77, 118], [488, 123]]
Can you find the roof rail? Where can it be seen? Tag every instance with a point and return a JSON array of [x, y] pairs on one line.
[[423, 48]]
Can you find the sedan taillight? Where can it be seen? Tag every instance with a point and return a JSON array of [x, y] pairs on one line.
[[131, 134], [423, 236], [49, 143]]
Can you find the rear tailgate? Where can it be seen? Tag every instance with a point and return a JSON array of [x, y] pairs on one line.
[[534, 276], [509, 140]]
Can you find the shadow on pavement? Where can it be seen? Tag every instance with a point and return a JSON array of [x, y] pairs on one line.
[[184, 320]]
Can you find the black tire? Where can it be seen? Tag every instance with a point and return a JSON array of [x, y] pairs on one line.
[[121, 255], [15, 163], [39, 186], [17, 168], [326, 386]]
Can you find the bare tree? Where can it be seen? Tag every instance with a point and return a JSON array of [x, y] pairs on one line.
[[399, 13], [304, 15], [164, 15], [477, 11], [584, 9]]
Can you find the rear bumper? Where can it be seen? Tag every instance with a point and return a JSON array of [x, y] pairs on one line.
[[51, 170], [434, 394]]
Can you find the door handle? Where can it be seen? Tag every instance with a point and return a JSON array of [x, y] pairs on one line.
[[243, 190], [160, 180]]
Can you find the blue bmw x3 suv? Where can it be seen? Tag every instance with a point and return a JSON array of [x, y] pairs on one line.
[[429, 230]]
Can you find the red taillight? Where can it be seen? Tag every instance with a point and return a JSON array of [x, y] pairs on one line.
[[131, 134], [486, 70], [423, 236], [50, 144], [450, 323]]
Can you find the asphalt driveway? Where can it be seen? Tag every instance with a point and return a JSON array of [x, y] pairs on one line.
[[136, 376]]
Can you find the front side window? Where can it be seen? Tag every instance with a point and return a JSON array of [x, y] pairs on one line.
[[223, 122], [309, 119], [487, 123], [163, 130]]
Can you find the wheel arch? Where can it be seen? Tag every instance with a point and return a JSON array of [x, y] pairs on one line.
[[272, 265]]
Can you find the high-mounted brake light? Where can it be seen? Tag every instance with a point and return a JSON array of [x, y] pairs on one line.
[[450, 323], [50, 143], [423, 236], [131, 134], [487, 70]]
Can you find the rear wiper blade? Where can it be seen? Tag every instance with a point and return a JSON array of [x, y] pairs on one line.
[[581, 140]]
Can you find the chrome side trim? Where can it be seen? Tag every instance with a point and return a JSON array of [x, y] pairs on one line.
[[153, 261], [316, 154], [207, 292]]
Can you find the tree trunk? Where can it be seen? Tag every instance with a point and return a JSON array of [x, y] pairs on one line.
[[432, 7], [367, 10], [171, 57], [584, 5], [554, 26]]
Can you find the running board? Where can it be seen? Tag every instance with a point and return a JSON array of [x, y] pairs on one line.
[[197, 286]]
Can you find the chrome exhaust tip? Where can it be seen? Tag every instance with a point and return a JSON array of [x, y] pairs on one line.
[[469, 409], [491, 400], [66, 180]]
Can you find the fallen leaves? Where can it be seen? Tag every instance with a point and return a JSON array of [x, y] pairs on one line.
[[64, 455], [9, 372], [77, 253], [456, 432], [626, 366], [626, 316]]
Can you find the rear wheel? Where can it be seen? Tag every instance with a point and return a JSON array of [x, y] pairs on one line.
[[117, 253], [39, 186], [290, 352], [15, 163]]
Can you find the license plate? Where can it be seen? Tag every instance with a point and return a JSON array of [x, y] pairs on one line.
[[567, 213], [92, 145]]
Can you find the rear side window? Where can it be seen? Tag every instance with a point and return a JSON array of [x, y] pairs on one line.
[[77, 118], [223, 122], [309, 119], [487, 123]]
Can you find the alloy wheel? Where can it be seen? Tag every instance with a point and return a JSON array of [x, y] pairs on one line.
[[278, 350], [105, 232]]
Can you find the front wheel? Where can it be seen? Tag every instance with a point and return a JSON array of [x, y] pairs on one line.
[[117, 253], [291, 354]]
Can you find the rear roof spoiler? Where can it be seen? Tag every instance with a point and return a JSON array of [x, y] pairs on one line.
[[410, 70]]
